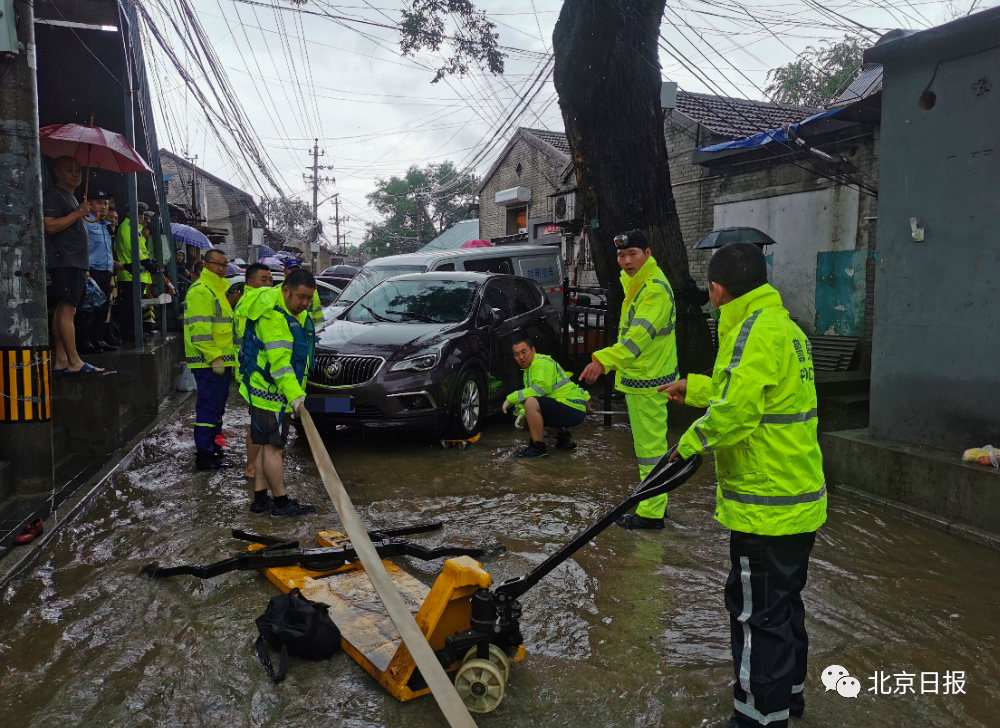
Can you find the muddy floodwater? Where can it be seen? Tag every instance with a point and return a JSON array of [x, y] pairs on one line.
[[631, 632]]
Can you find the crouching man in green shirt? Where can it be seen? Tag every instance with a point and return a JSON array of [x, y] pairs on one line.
[[548, 398]]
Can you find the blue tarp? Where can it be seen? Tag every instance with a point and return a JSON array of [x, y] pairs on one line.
[[766, 137]]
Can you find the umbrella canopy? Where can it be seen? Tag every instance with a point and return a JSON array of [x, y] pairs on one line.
[[718, 238], [271, 262], [233, 270], [477, 244], [190, 236], [290, 262], [283, 254], [91, 146], [263, 251]]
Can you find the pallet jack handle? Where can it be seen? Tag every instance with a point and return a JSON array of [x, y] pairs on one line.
[[665, 477]]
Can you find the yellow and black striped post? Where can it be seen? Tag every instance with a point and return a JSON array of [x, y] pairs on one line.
[[25, 379]]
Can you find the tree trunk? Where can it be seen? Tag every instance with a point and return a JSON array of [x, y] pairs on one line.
[[607, 76]]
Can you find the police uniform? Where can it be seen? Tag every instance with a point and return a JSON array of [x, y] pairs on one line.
[[208, 335], [545, 380], [761, 425], [276, 355], [645, 358]]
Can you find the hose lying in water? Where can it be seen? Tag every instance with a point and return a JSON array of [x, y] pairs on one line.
[[427, 662]]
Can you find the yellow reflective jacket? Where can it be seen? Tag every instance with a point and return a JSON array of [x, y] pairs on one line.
[[545, 378], [208, 322], [645, 356], [277, 352], [316, 308], [761, 421], [240, 319], [123, 252]]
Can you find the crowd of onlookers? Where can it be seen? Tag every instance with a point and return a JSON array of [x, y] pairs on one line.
[[90, 273]]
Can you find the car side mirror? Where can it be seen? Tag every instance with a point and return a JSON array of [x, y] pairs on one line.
[[496, 318]]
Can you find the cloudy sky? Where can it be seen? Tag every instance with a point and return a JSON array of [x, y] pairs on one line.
[[309, 70]]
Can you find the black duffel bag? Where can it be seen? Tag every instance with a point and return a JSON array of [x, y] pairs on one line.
[[297, 627]]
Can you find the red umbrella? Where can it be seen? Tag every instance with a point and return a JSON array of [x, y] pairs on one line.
[[91, 146], [477, 244]]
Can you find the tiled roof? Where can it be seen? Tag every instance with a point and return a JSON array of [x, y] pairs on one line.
[[553, 138], [739, 117]]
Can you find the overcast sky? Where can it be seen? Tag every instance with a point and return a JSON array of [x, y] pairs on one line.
[[298, 77]]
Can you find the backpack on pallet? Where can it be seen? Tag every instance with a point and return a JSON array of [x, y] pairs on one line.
[[298, 627]]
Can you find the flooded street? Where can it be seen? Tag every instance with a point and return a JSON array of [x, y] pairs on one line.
[[631, 632]]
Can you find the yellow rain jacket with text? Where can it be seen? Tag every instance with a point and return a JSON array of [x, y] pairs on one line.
[[761, 421]]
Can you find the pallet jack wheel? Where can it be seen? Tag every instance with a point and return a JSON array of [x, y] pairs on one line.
[[480, 684], [497, 657]]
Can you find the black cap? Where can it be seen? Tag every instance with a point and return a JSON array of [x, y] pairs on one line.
[[101, 195], [632, 239]]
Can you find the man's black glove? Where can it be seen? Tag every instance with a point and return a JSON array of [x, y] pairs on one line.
[[150, 265]]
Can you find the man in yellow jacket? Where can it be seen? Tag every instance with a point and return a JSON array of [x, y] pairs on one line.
[[127, 289], [761, 425], [258, 278], [276, 355], [208, 349], [548, 398], [644, 358]]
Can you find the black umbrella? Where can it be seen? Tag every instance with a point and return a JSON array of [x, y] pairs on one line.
[[718, 238]]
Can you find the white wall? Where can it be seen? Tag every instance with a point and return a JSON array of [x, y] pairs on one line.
[[802, 225]]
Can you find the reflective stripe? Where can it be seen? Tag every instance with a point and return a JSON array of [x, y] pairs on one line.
[[520, 396], [282, 372], [798, 688], [202, 424], [222, 319], [537, 390], [278, 345], [788, 419], [648, 383], [202, 337], [734, 361], [650, 461], [197, 320], [560, 383], [756, 715], [261, 394], [201, 360], [774, 500], [650, 329], [633, 348]]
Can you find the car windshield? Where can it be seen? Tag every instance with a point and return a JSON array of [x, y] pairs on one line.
[[370, 276], [422, 302]]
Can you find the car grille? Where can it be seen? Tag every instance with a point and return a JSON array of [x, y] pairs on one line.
[[370, 411], [345, 371]]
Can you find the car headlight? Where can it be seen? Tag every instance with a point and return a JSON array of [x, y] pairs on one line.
[[420, 363]]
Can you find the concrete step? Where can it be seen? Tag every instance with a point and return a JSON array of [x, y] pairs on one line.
[[847, 404]]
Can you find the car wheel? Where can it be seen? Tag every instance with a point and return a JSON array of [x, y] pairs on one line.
[[467, 408]]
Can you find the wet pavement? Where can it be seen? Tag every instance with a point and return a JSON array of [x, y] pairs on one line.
[[631, 632]]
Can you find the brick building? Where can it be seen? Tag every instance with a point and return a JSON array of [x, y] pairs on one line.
[[224, 212]]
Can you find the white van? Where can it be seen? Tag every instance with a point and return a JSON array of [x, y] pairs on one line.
[[542, 263]]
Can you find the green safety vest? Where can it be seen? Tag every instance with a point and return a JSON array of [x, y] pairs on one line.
[[123, 252], [545, 378], [208, 322], [761, 421], [645, 356], [287, 364]]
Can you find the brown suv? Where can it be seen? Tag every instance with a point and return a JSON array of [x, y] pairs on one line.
[[428, 351]]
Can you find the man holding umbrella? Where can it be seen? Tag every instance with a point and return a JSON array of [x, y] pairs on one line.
[[67, 249]]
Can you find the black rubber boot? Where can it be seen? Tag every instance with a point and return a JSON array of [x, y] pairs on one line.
[[207, 461], [632, 521], [533, 450], [565, 441], [797, 706]]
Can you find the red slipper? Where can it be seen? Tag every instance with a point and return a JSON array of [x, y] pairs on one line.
[[221, 441], [32, 530]]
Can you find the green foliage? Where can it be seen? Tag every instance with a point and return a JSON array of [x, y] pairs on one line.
[[817, 75], [423, 28], [291, 218], [417, 207]]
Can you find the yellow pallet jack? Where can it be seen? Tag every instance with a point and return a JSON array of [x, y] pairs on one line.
[[472, 626]]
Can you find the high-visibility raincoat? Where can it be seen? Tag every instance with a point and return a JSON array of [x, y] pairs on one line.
[[545, 378], [123, 252], [761, 421], [316, 309], [208, 322], [645, 356], [240, 319], [277, 354]]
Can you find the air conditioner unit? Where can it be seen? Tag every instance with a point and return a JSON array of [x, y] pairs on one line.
[[564, 207]]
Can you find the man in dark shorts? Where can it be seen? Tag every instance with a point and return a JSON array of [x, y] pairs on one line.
[[548, 398], [67, 253], [275, 357]]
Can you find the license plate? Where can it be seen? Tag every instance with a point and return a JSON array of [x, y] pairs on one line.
[[330, 404]]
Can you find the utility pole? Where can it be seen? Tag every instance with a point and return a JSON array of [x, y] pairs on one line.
[[316, 179], [194, 199], [25, 350], [336, 217]]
